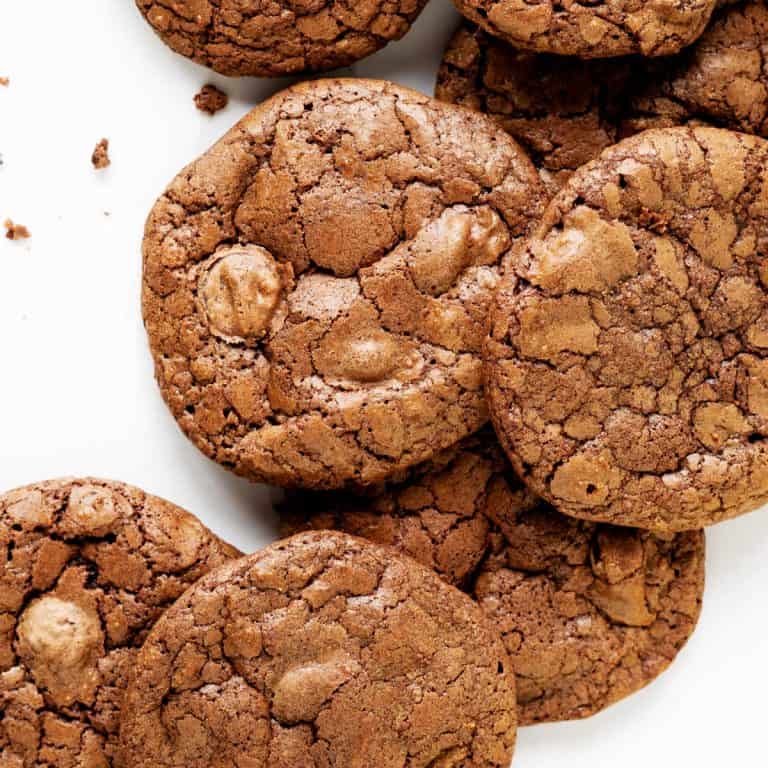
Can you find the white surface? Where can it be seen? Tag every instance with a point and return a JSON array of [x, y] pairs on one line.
[[76, 389]]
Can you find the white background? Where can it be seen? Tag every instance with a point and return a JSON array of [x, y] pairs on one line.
[[76, 389]]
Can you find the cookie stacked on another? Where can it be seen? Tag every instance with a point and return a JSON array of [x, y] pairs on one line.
[[565, 110], [588, 613]]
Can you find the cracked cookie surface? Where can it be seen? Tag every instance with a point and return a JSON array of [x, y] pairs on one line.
[[281, 37], [592, 29], [443, 515], [589, 613], [321, 650], [88, 566], [563, 110], [627, 359], [722, 78], [316, 286]]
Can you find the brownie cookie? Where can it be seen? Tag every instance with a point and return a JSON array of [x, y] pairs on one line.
[[88, 566], [592, 30], [321, 650], [721, 79], [589, 613], [278, 38], [443, 515], [316, 286], [563, 110], [627, 361]]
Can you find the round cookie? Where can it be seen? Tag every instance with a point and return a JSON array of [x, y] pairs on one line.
[[564, 111], [278, 38], [592, 30], [321, 650], [589, 613], [627, 359], [316, 286], [443, 515], [88, 566], [720, 79]]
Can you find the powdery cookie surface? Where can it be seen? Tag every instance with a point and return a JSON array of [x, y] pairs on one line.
[[444, 514], [321, 650], [564, 111], [316, 286], [626, 362], [88, 566], [721, 79], [590, 30], [280, 37], [589, 613]]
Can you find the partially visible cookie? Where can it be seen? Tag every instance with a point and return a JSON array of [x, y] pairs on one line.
[[87, 568], [627, 361], [443, 515], [316, 286], [589, 614], [721, 79], [321, 650], [592, 30], [281, 37], [563, 110]]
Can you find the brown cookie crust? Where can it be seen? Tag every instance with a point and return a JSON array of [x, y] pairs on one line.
[[88, 566], [444, 515], [592, 30], [589, 613], [722, 79], [626, 364], [278, 38], [321, 650], [564, 111], [316, 286]]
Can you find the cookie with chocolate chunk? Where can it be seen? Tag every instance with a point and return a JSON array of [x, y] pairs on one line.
[[592, 30], [627, 361], [278, 38], [564, 111], [443, 514], [316, 286], [321, 650], [88, 567], [589, 613]]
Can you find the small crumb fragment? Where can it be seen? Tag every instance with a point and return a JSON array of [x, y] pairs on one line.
[[5, 81], [16, 231], [100, 156], [211, 100]]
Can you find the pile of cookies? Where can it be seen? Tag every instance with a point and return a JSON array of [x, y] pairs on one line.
[[340, 295]]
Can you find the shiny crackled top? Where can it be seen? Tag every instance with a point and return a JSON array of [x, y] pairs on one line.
[[316, 286]]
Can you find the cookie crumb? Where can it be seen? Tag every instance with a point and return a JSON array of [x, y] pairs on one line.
[[5, 81], [211, 100], [16, 231], [100, 156]]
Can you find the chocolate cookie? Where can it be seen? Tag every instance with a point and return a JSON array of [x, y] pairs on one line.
[[88, 566], [721, 79], [592, 30], [321, 650], [563, 110], [627, 361], [316, 286], [443, 515], [281, 37], [589, 613]]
